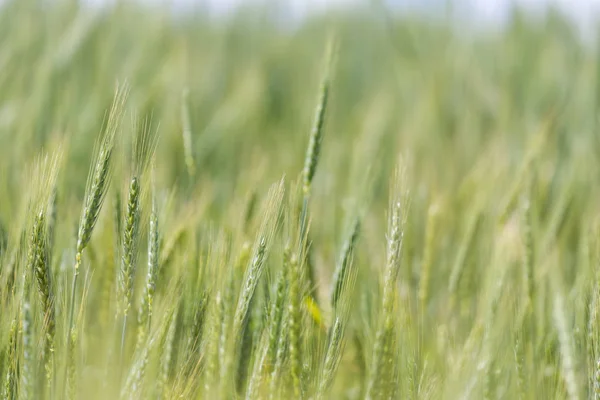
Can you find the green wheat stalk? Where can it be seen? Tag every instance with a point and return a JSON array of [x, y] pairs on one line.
[[398, 212], [144, 145], [97, 185], [313, 152], [146, 306]]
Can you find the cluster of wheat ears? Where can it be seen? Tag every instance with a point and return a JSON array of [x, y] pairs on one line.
[[235, 338], [468, 269]]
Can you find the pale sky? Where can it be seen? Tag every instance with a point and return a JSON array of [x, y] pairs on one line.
[[481, 12], [584, 12]]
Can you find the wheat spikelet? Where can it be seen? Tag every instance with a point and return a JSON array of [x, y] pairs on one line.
[[144, 145], [341, 271], [382, 348], [96, 187], [146, 306]]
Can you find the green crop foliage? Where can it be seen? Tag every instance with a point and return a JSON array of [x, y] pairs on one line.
[[359, 205]]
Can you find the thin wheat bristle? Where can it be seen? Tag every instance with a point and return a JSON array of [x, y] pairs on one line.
[[145, 141], [341, 271], [332, 357], [134, 383], [166, 358], [336, 333], [256, 377]]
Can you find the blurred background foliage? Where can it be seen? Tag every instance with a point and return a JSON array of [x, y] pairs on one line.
[[442, 96], [468, 109], [476, 114]]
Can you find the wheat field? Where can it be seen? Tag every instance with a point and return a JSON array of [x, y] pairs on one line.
[[361, 205]]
